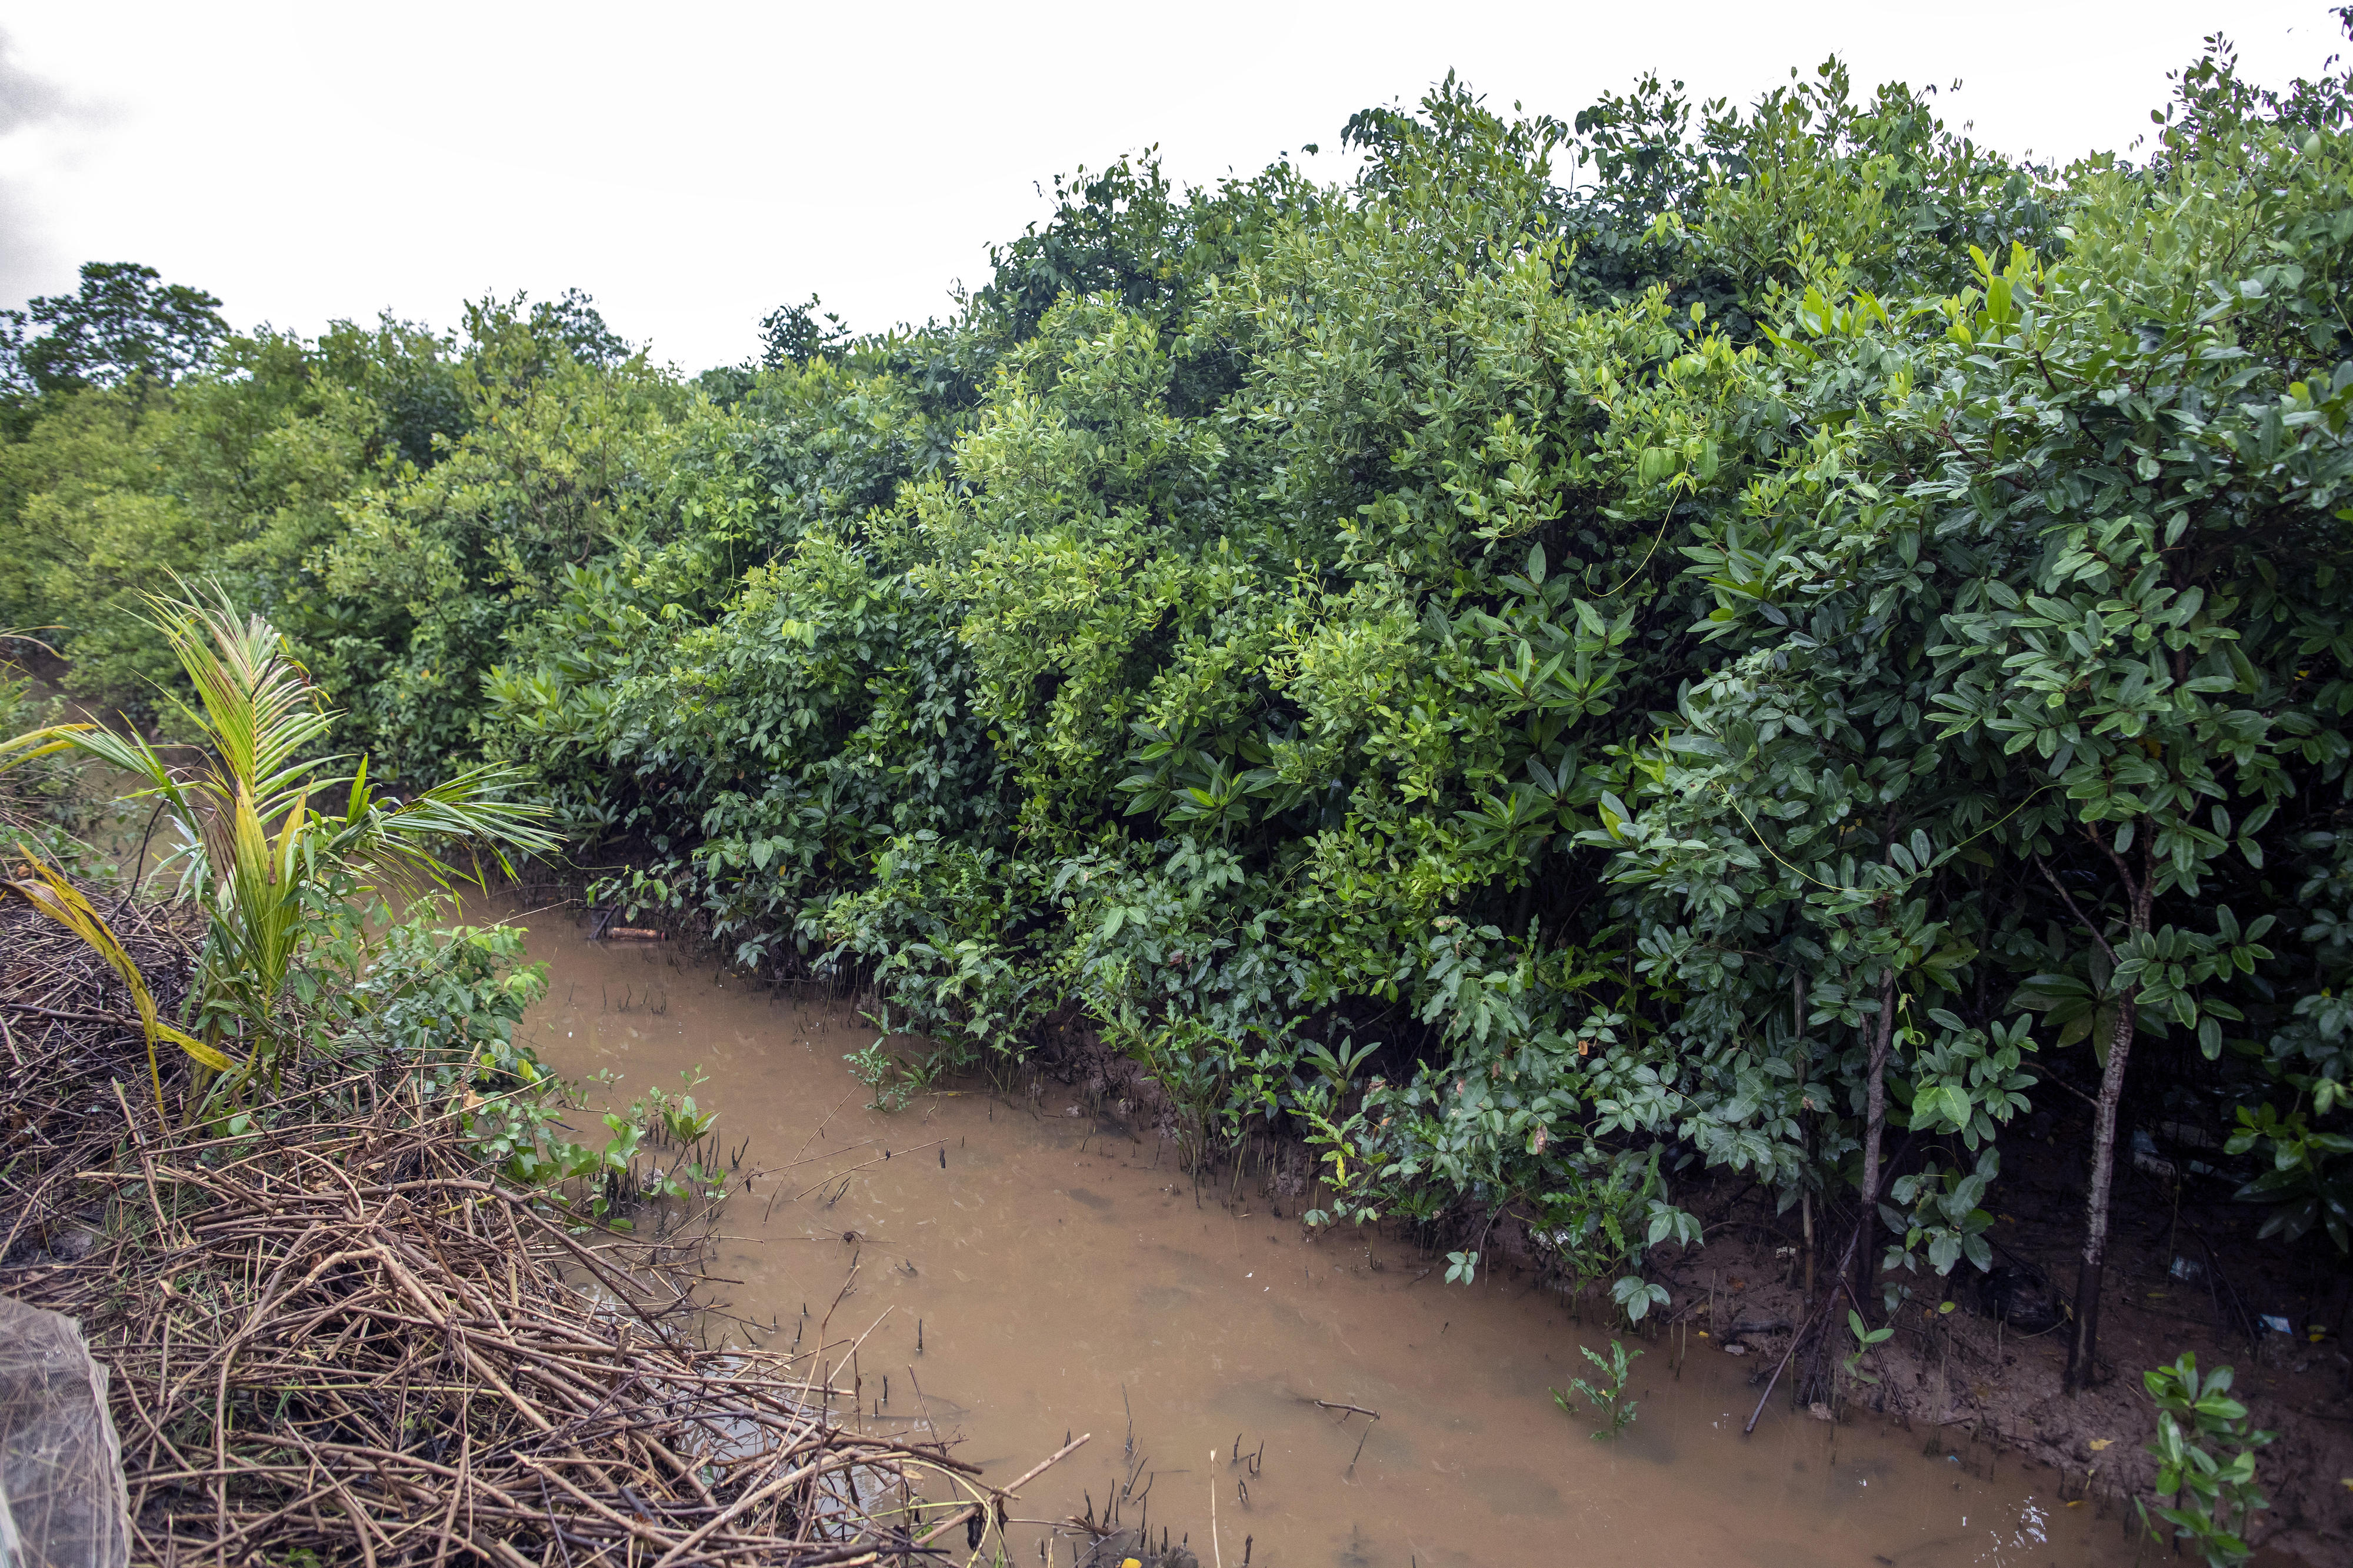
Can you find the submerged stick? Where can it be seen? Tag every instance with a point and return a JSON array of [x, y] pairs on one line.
[[1331, 1405]]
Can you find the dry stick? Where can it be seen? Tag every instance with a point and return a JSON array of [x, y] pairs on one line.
[[846, 1280], [358, 1518], [924, 1405], [1001, 1493], [862, 1164], [643, 1532], [162, 1229], [821, 1127], [821, 1154], [265, 1520], [853, 1355], [1845, 1260], [220, 1446], [465, 1457], [416, 1291], [70, 1016], [1329, 1405]]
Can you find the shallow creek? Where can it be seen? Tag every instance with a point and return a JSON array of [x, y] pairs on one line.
[[1061, 1275]]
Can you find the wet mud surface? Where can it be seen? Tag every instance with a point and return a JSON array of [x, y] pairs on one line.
[[1027, 1267]]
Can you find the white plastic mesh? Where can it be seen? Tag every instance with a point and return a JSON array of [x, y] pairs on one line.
[[62, 1503]]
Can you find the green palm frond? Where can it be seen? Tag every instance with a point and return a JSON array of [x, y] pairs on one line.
[[260, 712]]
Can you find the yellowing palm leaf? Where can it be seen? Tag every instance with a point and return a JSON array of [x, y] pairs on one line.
[[50, 893]]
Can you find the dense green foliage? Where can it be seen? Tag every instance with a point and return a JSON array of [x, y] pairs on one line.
[[1677, 638], [124, 324]]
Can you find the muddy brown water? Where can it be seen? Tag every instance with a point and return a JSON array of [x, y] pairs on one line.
[[1064, 1276]]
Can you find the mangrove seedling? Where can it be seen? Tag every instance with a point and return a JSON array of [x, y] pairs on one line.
[[1609, 1399], [1865, 1339], [1335, 1138], [893, 1084], [2213, 1497]]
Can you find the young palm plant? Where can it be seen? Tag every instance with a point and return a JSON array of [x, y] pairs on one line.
[[269, 868]]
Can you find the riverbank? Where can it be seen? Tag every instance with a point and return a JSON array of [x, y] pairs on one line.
[[1980, 1379], [1036, 1261], [1966, 1380], [1977, 1359]]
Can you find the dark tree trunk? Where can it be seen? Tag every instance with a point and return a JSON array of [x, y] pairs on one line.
[[1874, 1125], [1805, 1195]]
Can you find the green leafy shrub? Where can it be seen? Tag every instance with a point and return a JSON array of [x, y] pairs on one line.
[[1687, 638], [2213, 1499]]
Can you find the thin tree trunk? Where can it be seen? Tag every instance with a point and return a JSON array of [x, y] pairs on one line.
[[1874, 1123], [1805, 1195], [2084, 1347], [1806, 1213], [2083, 1350]]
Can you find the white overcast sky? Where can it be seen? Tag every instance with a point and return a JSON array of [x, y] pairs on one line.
[[693, 165]]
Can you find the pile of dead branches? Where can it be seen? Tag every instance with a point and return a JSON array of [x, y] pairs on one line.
[[329, 1333]]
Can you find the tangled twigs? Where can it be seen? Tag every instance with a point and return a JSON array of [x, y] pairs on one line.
[[336, 1336]]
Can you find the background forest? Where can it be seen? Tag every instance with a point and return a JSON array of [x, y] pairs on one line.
[[1773, 639]]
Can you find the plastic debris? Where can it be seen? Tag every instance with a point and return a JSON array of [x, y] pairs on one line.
[[62, 1500]]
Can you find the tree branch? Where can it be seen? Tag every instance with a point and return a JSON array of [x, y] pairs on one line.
[[2078, 914], [2124, 872]]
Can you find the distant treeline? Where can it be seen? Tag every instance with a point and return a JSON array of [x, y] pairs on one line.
[[1691, 637]]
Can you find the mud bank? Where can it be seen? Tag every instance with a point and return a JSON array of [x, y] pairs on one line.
[[1016, 1268], [1993, 1392]]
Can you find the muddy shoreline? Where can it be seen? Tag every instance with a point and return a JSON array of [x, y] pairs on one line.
[[1090, 1310], [1976, 1386]]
